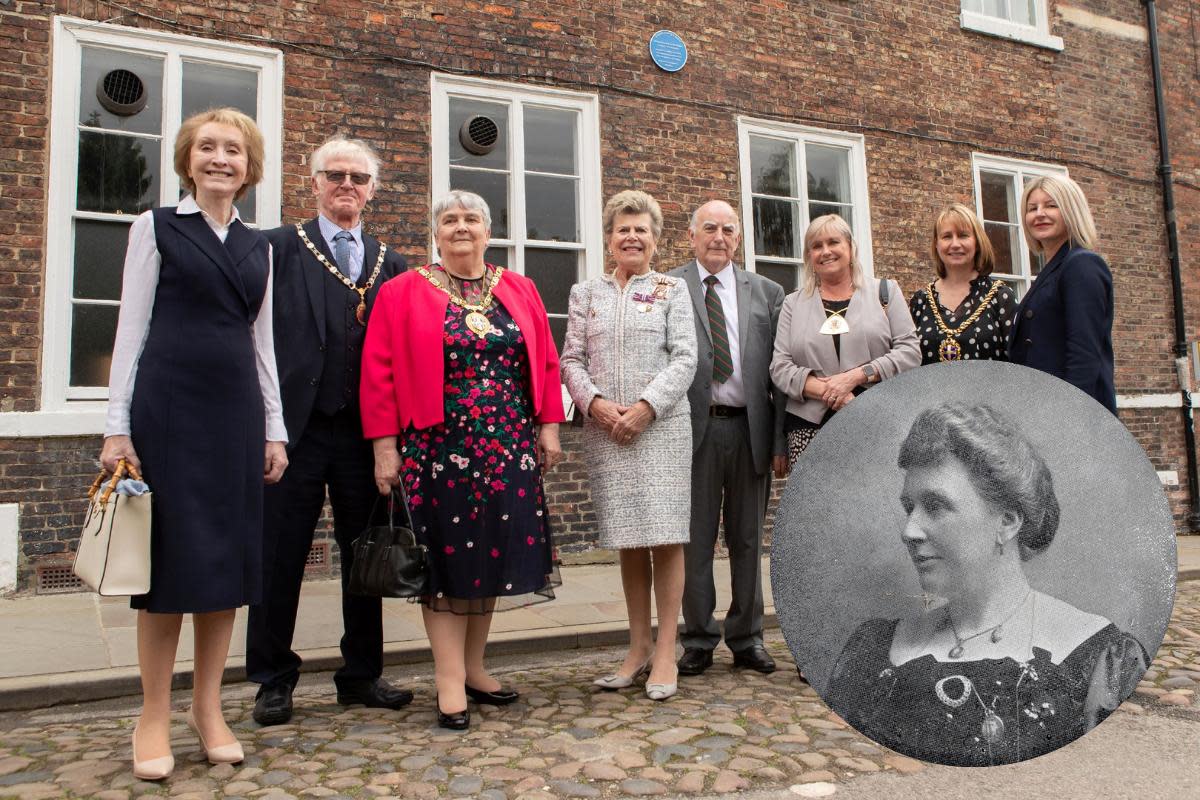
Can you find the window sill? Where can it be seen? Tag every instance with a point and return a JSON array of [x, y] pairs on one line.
[[87, 420], [993, 26]]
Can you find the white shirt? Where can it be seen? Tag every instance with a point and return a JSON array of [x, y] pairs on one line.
[[731, 392], [139, 283], [329, 230]]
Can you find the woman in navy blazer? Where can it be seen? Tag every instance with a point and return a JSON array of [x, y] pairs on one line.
[[1064, 323]]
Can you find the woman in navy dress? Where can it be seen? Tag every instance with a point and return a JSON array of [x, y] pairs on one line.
[[1064, 322], [194, 401], [461, 395]]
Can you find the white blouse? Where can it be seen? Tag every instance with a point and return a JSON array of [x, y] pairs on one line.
[[139, 283]]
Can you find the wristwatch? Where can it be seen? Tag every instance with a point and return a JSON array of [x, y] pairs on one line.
[[870, 372]]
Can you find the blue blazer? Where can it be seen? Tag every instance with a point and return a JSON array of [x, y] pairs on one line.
[[1064, 323]]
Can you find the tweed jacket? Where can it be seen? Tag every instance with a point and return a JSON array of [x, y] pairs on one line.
[[885, 339], [634, 344]]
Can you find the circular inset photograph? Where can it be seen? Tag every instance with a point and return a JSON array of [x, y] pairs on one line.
[[973, 563]]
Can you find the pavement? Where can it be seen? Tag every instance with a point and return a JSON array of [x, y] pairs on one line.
[[729, 733], [79, 647]]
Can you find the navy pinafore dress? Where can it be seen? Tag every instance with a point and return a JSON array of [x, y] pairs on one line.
[[197, 417]]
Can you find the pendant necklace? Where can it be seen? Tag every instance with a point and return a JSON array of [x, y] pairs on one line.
[[835, 322], [360, 313], [996, 631], [476, 320], [950, 349]]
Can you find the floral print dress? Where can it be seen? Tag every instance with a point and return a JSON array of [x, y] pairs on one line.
[[473, 482]]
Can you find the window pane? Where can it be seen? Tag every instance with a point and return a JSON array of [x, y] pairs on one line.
[[93, 329], [497, 256], [1004, 243], [554, 272], [995, 8], [775, 228], [462, 110], [785, 275], [97, 63], [1036, 261], [208, 86], [551, 208], [997, 199], [117, 174], [1022, 11], [821, 209], [558, 329], [772, 167], [99, 258], [828, 173], [492, 187], [550, 140]]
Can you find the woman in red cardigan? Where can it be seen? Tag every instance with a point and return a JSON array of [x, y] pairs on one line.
[[460, 394]]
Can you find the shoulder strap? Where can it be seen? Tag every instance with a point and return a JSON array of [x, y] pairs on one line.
[[883, 293]]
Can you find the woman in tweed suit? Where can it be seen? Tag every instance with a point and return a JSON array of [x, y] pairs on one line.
[[628, 359]]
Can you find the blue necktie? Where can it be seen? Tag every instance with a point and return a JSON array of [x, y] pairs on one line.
[[341, 253]]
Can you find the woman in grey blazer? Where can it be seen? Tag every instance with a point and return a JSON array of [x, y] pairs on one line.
[[836, 336], [628, 360]]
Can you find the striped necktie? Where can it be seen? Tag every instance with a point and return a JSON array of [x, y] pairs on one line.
[[722, 362]]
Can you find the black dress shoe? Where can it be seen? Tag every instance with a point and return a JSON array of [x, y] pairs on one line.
[[273, 705], [373, 694], [457, 721], [500, 697], [694, 661], [755, 657]]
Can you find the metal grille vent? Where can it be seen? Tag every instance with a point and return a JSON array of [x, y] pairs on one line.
[[318, 556], [57, 578], [479, 135], [121, 92]]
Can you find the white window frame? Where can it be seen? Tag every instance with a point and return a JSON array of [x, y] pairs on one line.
[[1037, 34], [591, 234], [801, 135], [1017, 170], [67, 410]]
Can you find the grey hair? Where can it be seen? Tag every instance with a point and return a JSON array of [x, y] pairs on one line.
[[461, 198], [696, 214], [1004, 467], [341, 147]]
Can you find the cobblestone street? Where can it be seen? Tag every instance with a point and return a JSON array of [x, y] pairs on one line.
[[726, 732]]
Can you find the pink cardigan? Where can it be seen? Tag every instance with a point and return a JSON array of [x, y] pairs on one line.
[[403, 360]]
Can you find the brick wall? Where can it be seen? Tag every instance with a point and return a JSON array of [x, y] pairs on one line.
[[924, 93]]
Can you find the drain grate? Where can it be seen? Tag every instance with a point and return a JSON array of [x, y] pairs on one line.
[[56, 577]]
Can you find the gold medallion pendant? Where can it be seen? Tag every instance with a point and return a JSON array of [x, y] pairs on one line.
[[479, 324], [834, 324], [950, 350], [360, 313]]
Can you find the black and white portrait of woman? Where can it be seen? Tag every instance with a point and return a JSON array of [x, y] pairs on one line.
[[990, 582]]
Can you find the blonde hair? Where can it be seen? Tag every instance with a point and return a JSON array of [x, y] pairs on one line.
[[808, 276], [252, 138], [1072, 204], [964, 219], [632, 201]]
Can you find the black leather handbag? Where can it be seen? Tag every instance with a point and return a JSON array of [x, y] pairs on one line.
[[388, 561]]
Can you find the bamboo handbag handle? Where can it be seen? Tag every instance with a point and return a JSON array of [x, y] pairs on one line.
[[123, 468]]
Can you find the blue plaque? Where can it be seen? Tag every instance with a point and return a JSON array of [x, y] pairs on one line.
[[668, 51]]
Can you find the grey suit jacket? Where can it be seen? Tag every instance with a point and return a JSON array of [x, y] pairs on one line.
[[759, 300], [885, 339]]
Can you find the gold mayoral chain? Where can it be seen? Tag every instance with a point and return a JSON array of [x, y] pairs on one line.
[[477, 321], [950, 349], [360, 313]]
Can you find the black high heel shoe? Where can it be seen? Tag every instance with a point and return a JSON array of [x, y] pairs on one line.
[[500, 697], [456, 721]]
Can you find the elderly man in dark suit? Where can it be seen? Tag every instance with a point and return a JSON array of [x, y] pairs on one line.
[[327, 273], [737, 439]]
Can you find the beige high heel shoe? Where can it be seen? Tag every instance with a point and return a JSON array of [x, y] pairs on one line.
[[618, 681], [152, 769], [222, 754]]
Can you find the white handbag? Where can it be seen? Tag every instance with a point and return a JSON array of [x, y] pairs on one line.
[[114, 547]]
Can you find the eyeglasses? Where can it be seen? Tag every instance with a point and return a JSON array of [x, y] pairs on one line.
[[338, 176]]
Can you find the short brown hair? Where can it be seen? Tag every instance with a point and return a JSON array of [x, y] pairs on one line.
[[632, 201], [222, 116], [964, 218]]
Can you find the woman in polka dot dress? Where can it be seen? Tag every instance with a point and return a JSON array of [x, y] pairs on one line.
[[964, 314]]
